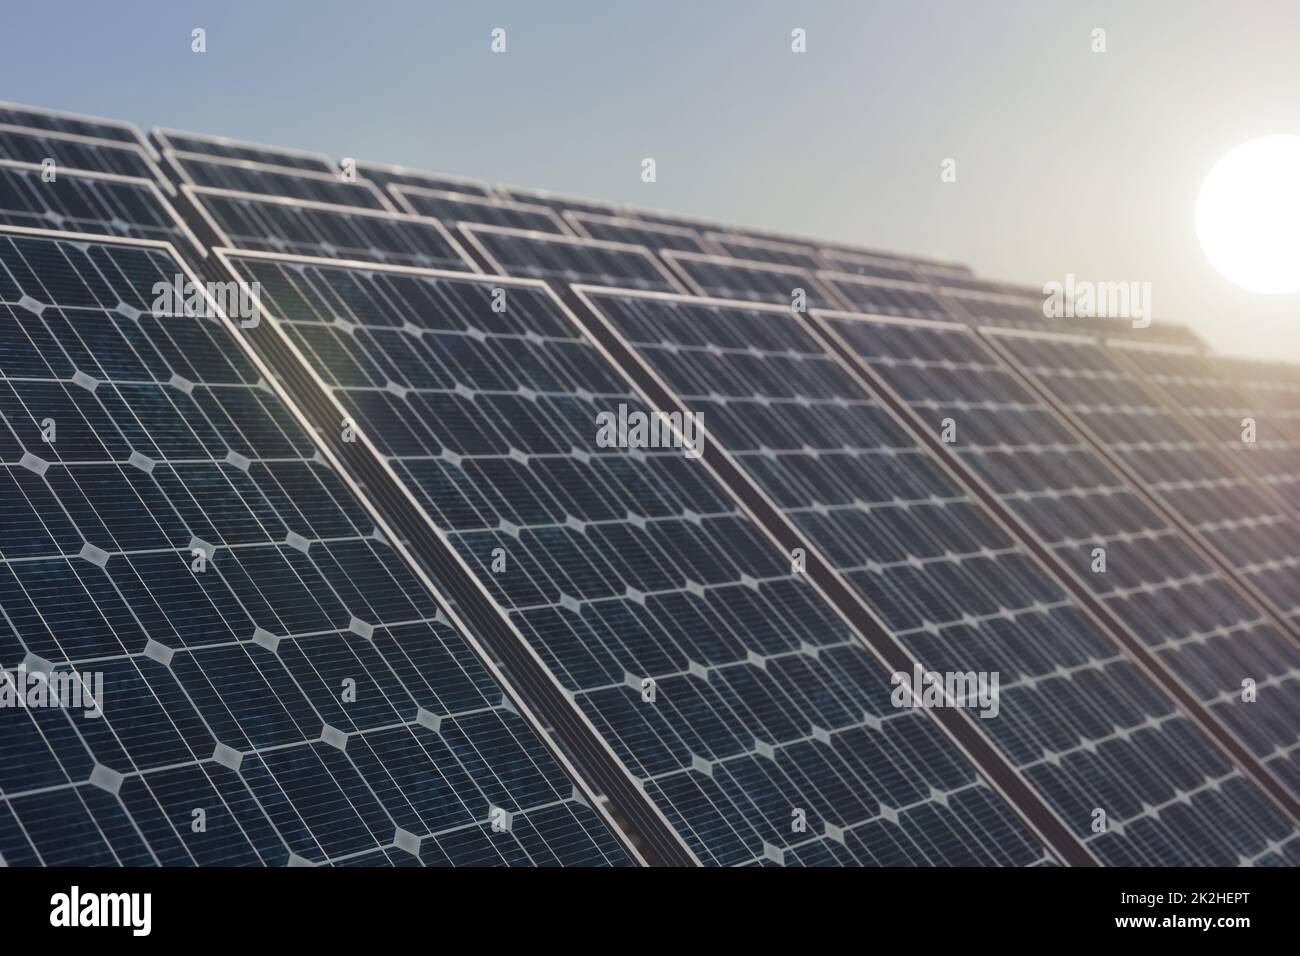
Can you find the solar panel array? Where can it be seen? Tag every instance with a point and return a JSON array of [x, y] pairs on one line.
[[278, 686], [313, 690], [621, 568], [1079, 719]]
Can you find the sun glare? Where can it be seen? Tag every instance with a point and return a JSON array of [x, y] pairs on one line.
[[1248, 215]]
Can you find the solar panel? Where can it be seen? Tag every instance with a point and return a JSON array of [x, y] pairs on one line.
[[223, 147], [60, 121], [1202, 474], [558, 201], [240, 176], [386, 176], [565, 259], [70, 151], [984, 302], [980, 308], [766, 250], [452, 208], [275, 683], [276, 224], [722, 277], [745, 707], [1159, 583], [1079, 718], [1272, 396], [634, 232], [664, 217], [873, 267], [883, 296], [86, 202]]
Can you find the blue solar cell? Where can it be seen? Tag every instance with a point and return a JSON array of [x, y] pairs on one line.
[[1077, 715], [276, 683], [69, 151], [561, 260], [751, 713], [13, 114], [221, 147], [266, 223], [748, 280], [96, 203], [1180, 601], [634, 232], [451, 208], [270, 180]]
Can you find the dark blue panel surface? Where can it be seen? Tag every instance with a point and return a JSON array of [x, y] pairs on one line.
[[276, 684]]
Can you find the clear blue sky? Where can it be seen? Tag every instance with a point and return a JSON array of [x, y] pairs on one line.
[[1068, 161]]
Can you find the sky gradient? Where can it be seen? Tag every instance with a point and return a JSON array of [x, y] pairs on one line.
[[1067, 161]]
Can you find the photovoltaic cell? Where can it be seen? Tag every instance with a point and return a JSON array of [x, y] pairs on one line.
[[239, 176], [1222, 638], [984, 307], [97, 203], [744, 279], [1204, 630], [884, 296], [272, 224], [558, 201], [1077, 717], [562, 260], [653, 236], [1270, 393], [1194, 460], [77, 152], [13, 114], [222, 147], [766, 250], [451, 208], [269, 664], [386, 177], [723, 682], [872, 267]]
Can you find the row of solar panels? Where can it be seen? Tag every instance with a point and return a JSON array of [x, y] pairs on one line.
[[415, 554]]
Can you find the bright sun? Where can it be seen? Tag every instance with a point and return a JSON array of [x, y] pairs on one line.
[[1248, 215]]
